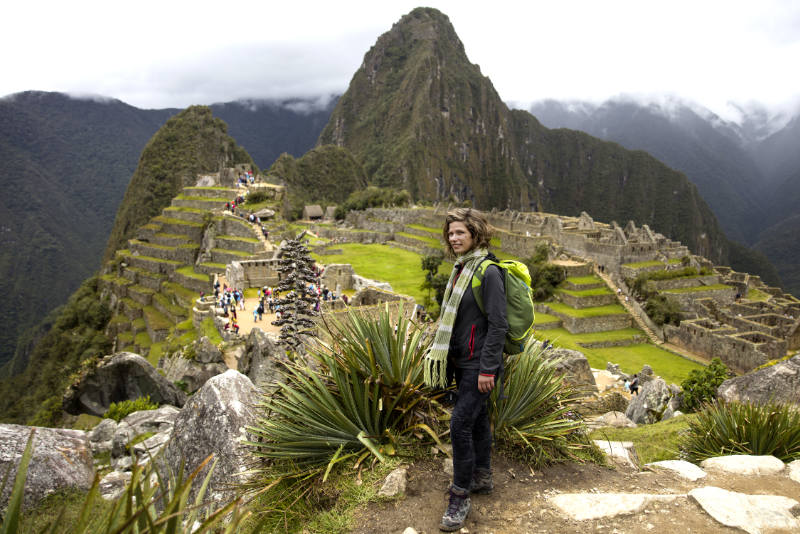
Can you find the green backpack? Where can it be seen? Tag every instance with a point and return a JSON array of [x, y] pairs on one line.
[[519, 301]]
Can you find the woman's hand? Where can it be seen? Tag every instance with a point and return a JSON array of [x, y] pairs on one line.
[[485, 383]]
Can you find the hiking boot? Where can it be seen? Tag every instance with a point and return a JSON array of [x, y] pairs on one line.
[[481, 481], [457, 511]]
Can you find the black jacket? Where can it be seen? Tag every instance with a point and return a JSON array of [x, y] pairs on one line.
[[477, 340]]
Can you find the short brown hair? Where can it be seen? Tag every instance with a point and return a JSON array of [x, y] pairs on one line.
[[475, 222]]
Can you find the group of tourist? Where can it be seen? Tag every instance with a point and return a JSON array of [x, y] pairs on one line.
[[246, 178]]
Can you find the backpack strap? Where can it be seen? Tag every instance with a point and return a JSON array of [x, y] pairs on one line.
[[477, 280]]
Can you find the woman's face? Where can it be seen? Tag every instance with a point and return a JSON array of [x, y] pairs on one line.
[[459, 237]]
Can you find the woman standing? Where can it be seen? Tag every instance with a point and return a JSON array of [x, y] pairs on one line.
[[469, 346]]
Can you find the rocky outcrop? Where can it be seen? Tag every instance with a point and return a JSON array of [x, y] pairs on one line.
[[260, 361], [650, 404], [125, 376], [207, 352], [575, 368], [779, 383], [62, 459], [213, 423], [155, 423]]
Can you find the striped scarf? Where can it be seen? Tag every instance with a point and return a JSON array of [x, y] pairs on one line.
[[436, 359]]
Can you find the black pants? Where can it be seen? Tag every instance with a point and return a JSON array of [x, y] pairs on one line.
[[470, 431]]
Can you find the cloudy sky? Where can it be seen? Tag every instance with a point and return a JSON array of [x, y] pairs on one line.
[[173, 53]]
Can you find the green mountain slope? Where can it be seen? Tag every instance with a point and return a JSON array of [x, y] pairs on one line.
[[420, 116], [192, 142], [64, 166]]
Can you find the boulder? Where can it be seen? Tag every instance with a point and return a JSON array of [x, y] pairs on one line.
[[104, 431], [125, 376], [113, 485], [395, 483], [158, 421], [207, 352], [622, 453], [752, 513], [794, 470], [744, 464], [260, 361], [646, 374], [650, 404], [213, 423], [575, 368], [682, 468], [592, 506], [62, 459], [265, 213], [779, 382], [616, 419]]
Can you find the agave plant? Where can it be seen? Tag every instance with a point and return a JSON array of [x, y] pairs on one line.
[[743, 428], [531, 411], [363, 397], [150, 505]]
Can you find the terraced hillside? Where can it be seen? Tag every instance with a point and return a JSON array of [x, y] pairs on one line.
[[156, 281]]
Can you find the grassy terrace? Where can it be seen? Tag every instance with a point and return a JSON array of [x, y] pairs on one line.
[[170, 220], [586, 292], [596, 311], [168, 305], [190, 272], [158, 260], [584, 280], [234, 252], [652, 263], [435, 231], [156, 319], [153, 245], [138, 324], [713, 287], [237, 238], [630, 358], [177, 289], [430, 241], [217, 266], [204, 199], [544, 318], [186, 209], [757, 295], [143, 340]]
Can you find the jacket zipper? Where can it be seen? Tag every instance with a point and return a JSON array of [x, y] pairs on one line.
[[471, 342]]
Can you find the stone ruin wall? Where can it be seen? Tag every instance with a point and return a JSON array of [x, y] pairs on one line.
[[253, 273]]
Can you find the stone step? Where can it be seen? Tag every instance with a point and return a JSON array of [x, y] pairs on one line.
[[235, 226], [158, 324], [585, 321], [210, 268], [115, 284], [142, 295], [163, 303], [154, 265], [250, 245], [185, 214], [212, 192], [219, 255], [184, 253], [143, 277], [170, 240], [191, 229], [118, 323], [147, 231], [130, 308], [137, 325], [200, 203], [586, 299], [190, 279]]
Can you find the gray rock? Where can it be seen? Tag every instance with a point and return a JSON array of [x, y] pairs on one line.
[[590, 506], [234, 353], [744, 464], [213, 423], [207, 352], [616, 419], [265, 213], [650, 404], [158, 420], [447, 466], [682, 468], [622, 453], [122, 436], [575, 368], [125, 376], [395, 483], [260, 361], [104, 431], [113, 485], [794, 470], [61, 459], [755, 514], [779, 382]]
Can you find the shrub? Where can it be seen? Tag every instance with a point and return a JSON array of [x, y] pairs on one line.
[[545, 278], [744, 428], [373, 197], [663, 310], [534, 415], [119, 410], [701, 386], [256, 197]]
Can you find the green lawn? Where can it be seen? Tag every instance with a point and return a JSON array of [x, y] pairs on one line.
[[190, 272], [586, 292], [584, 280], [712, 287], [631, 358], [544, 318], [401, 268], [656, 442], [430, 241], [758, 295], [595, 311], [435, 231]]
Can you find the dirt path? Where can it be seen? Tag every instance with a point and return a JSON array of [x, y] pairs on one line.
[[520, 502]]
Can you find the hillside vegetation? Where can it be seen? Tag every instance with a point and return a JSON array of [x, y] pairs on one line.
[[191, 143]]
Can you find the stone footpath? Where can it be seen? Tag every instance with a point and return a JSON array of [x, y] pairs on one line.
[[753, 494]]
